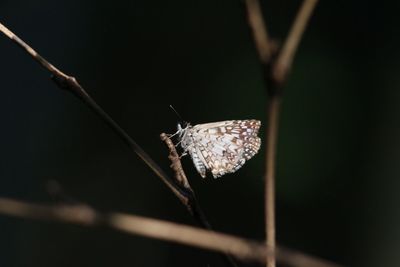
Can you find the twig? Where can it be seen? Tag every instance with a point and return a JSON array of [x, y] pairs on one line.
[[259, 30], [70, 84], [285, 58], [276, 71], [176, 165], [277, 77], [184, 194], [152, 228], [190, 202], [180, 177], [270, 159]]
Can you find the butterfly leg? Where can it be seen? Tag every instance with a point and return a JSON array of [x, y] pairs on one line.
[[177, 144], [172, 135], [184, 153]]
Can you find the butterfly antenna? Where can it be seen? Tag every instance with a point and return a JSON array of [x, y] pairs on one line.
[[181, 120]]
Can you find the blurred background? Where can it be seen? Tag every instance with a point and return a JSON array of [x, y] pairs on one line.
[[339, 145]]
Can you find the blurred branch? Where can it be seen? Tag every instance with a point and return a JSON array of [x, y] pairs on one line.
[[270, 164], [276, 69], [137, 225], [285, 59], [262, 44], [259, 30]]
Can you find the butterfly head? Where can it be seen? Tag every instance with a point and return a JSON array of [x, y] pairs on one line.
[[182, 127]]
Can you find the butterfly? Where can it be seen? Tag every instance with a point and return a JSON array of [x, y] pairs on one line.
[[220, 147]]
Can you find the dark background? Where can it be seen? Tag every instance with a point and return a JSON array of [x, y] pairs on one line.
[[339, 145]]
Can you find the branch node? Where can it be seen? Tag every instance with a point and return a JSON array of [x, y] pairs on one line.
[[65, 82]]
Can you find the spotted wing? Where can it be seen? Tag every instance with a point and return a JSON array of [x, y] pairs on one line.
[[223, 147]]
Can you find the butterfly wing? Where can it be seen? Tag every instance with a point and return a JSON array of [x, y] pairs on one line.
[[223, 147]]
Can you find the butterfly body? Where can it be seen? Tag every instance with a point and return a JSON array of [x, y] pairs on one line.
[[220, 147]]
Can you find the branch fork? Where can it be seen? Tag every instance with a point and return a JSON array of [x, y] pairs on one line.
[[276, 67]]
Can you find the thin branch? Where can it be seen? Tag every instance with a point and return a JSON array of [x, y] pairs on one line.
[[276, 70], [70, 84], [176, 165], [180, 177], [259, 30], [32, 52], [285, 58], [183, 193], [270, 165], [152, 228], [277, 78]]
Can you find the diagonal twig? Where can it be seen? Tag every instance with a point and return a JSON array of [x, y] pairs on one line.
[[176, 165], [284, 61], [70, 84], [190, 202], [181, 178], [259, 30], [182, 192]]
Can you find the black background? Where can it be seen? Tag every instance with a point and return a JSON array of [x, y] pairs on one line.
[[338, 155]]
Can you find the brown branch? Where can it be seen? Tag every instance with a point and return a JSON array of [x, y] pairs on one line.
[[259, 31], [181, 178], [176, 165], [70, 84], [84, 215], [185, 194], [284, 61], [258, 28], [276, 71], [277, 78], [270, 164]]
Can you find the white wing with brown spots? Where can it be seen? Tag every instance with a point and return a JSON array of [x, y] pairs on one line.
[[221, 147]]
